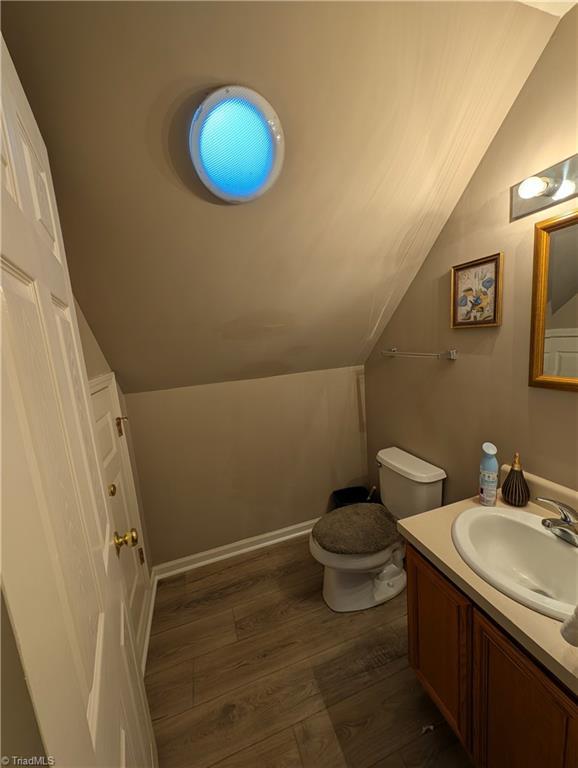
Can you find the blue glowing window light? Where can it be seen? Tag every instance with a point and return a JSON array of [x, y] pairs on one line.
[[236, 144]]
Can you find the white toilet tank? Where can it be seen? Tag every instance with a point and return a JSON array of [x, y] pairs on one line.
[[408, 485]]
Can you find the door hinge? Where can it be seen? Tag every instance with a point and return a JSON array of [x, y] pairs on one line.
[[119, 420]]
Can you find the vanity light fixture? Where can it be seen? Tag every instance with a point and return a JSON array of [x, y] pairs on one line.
[[236, 144], [534, 186], [566, 189], [551, 186]]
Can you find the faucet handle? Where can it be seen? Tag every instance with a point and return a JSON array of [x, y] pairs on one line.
[[568, 514]]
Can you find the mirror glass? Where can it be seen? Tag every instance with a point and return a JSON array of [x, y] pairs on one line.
[[554, 341], [561, 311]]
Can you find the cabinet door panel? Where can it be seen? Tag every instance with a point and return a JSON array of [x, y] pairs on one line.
[[522, 719], [572, 744], [439, 619]]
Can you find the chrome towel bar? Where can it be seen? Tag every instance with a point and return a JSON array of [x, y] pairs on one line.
[[451, 354]]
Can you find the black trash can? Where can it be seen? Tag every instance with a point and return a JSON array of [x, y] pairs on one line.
[[357, 494]]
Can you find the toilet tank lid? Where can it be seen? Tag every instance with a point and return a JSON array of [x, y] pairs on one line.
[[409, 466]]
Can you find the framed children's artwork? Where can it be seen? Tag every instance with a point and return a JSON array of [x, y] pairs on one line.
[[477, 293]]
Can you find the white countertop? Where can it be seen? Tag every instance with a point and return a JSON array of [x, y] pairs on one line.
[[430, 534]]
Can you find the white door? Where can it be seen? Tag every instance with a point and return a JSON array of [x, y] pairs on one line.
[[61, 575], [561, 352], [111, 435]]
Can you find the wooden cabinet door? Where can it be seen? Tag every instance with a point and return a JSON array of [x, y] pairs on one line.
[[439, 621], [522, 719]]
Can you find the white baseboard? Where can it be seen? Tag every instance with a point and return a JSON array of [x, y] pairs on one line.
[[183, 564]]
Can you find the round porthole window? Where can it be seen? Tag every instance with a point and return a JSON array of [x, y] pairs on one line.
[[236, 144]]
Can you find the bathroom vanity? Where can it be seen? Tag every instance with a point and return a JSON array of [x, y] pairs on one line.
[[500, 672]]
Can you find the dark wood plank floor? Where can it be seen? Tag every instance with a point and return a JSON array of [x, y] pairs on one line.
[[248, 668]]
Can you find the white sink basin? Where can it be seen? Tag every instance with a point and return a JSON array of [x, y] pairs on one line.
[[512, 551]]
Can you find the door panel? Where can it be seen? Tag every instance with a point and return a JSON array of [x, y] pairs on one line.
[[439, 623], [131, 699], [523, 719], [23, 337], [61, 577], [79, 425], [123, 505], [35, 595]]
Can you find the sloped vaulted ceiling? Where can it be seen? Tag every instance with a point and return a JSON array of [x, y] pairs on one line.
[[387, 109]]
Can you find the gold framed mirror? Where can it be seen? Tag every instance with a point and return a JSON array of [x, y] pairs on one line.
[[554, 340]]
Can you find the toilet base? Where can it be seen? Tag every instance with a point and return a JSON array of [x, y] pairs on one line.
[[345, 591]]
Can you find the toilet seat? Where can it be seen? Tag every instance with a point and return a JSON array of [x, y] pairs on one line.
[[357, 529], [372, 562]]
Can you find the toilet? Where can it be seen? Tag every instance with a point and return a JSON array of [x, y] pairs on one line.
[[359, 546]]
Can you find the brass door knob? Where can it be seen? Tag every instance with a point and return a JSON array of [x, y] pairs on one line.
[[112, 489], [130, 539]]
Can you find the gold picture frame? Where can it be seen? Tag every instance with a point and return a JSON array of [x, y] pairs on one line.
[[542, 232], [476, 292]]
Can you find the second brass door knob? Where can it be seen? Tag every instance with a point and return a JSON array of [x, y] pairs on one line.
[[130, 539]]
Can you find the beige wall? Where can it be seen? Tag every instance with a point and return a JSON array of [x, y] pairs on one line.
[[442, 411], [565, 317], [225, 461], [222, 462], [387, 108], [94, 359], [563, 279]]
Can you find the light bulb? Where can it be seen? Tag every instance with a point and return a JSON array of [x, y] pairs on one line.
[[566, 188], [533, 186]]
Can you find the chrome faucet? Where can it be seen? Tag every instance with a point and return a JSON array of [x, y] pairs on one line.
[[566, 527]]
